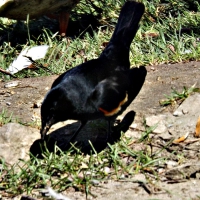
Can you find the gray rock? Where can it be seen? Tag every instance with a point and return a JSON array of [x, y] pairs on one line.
[[177, 113], [186, 122], [158, 121], [190, 105], [140, 177], [181, 122], [15, 142]]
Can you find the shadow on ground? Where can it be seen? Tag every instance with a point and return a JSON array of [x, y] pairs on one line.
[[95, 133]]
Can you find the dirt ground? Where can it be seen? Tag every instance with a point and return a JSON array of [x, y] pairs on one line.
[[22, 102], [159, 82]]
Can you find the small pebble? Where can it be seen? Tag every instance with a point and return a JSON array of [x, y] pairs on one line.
[[197, 175], [95, 182], [106, 170], [122, 176], [12, 84], [133, 125], [178, 113], [185, 111], [8, 103], [45, 193], [171, 164]]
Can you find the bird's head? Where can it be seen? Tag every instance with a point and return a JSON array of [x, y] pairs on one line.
[[52, 110]]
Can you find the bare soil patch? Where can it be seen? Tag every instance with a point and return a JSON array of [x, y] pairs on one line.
[[178, 182]]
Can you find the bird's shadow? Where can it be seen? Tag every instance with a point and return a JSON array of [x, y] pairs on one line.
[[95, 133]]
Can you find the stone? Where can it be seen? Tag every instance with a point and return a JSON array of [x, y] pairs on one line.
[[15, 142], [140, 177], [133, 134], [186, 122], [181, 122], [171, 164], [177, 113], [190, 105], [158, 121]]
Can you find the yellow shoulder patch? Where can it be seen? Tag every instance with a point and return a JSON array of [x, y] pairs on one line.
[[115, 110]]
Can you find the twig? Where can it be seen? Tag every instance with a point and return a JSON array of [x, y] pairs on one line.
[[37, 65], [7, 73]]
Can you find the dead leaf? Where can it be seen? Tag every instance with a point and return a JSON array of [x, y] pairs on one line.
[[45, 65], [149, 34], [152, 19], [132, 142], [83, 166], [197, 131], [32, 66], [171, 47], [181, 139], [104, 44]]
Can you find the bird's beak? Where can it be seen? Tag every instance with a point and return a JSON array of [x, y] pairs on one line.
[[45, 128], [44, 131]]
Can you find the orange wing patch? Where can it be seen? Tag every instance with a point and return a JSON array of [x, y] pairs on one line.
[[115, 110]]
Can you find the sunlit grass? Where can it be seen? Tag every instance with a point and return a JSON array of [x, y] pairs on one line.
[[160, 39], [67, 169]]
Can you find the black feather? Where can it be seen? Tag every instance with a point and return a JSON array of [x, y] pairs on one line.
[[99, 86]]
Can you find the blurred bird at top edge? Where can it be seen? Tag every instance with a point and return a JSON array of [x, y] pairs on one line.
[[21, 9]]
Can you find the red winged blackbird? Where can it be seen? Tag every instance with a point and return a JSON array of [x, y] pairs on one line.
[[102, 87]]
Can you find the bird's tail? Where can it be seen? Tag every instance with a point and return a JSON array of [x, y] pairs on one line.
[[125, 31]]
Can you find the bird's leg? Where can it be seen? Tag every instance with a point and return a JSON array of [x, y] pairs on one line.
[[63, 22], [63, 18], [109, 134]]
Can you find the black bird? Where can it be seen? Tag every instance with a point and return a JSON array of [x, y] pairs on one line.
[[102, 87]]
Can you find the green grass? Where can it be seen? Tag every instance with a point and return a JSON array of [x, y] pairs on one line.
[[167, 21], [75, 170], [169, 45], [62, 170], [177, 97], [5, 118]]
